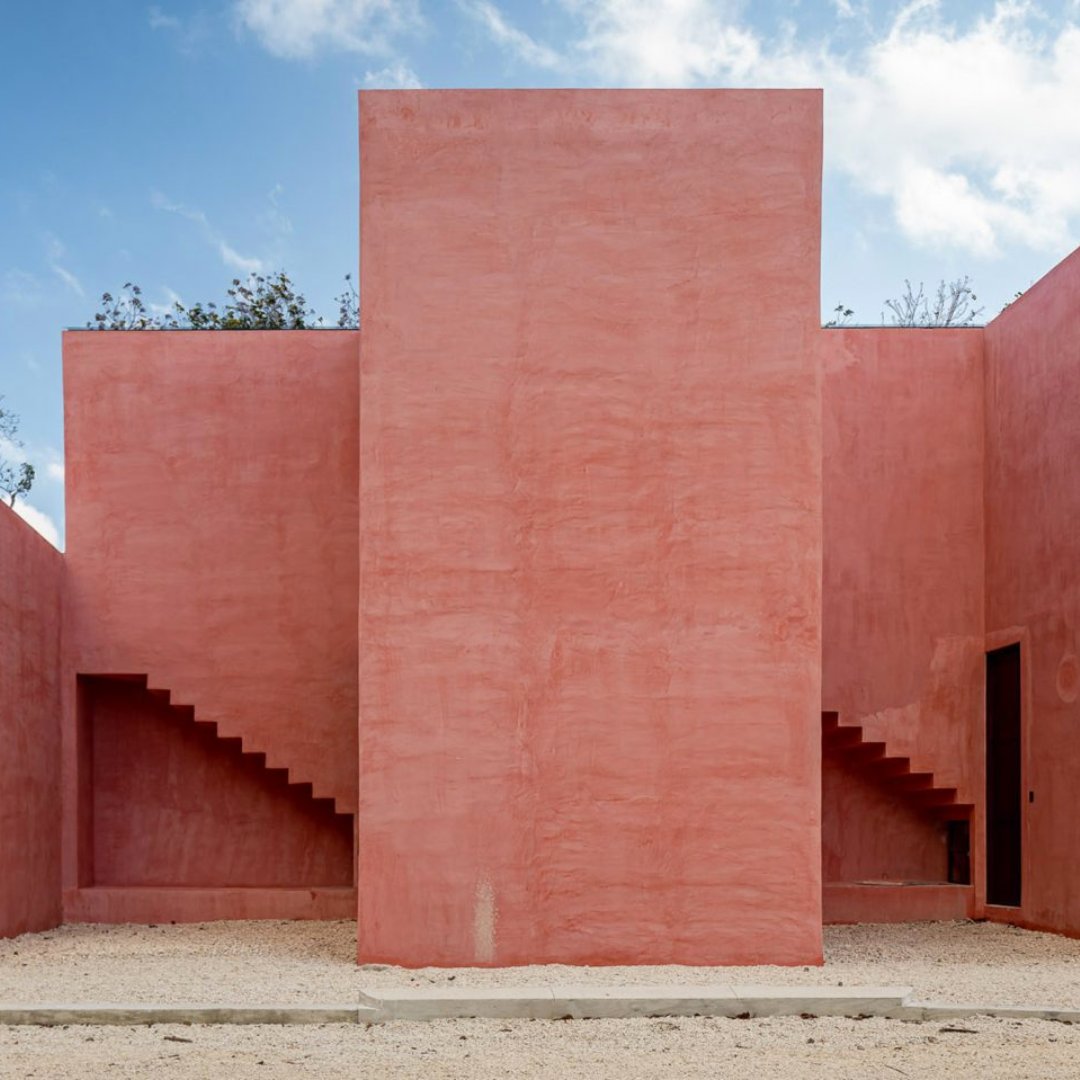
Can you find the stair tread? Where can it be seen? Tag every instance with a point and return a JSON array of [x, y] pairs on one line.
[[234, 743], [895, 772]]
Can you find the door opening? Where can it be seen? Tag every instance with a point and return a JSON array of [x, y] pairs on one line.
[[958, 841], [1004, 802]]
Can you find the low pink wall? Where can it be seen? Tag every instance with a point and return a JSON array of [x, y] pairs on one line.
[[903, 574], [1032, 583], [212, 538], [104, 904], [590, 542], [31, 577], [852, 903]]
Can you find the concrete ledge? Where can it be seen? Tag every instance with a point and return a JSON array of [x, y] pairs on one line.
[[550, 1003], [517, 1003], [588, 1002], [940, 1010], [891, 902], [822, 1000], [163, 904], [132, 1015]]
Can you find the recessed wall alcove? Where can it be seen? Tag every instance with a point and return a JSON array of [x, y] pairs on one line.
[[165, 801]]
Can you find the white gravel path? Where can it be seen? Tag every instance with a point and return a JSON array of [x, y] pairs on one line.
[[787, 1049], [312, 962]]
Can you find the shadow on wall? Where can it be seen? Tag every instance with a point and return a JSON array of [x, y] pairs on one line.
[[168, 802]]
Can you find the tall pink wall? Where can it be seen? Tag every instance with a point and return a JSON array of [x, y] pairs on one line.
[[902, 611], [1032, 582], [31, 582], [212, 537], [590, 527]]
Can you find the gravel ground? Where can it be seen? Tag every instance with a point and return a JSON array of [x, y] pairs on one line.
[[785, 1049], [312, 962]]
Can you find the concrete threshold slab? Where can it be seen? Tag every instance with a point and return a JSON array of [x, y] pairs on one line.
[[943, 1010], [565, 1002], [620, 1002], [132, 1015]]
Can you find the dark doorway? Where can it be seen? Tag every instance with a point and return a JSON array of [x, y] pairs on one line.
[[958, 840], [1003, 794]]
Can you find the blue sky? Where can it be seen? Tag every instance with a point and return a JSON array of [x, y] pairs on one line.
[[180, 144]]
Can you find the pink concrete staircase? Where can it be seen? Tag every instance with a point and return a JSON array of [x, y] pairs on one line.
[[895, 772], [240, 744]]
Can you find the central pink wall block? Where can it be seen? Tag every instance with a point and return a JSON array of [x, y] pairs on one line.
[[590, 528]]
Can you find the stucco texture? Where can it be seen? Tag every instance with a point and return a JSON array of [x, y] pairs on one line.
[[1032, 585], [31, 584], [212, 538], [174, 805], [590, 527], [902, 613]]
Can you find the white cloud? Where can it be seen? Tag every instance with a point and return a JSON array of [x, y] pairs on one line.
[[69, 279], [189, 32], [971, 132], [47, 461], [274, 219], [299, 29], [663, 43], [9, 449], [172, 298], [248, 264], [39, 520], [845, 9], [56, 252], [396, 76], [159, 20], [510, 37]]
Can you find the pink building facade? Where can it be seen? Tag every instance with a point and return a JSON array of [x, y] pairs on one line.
[[592, 605]]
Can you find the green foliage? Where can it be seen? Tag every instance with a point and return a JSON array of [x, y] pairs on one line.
[[842, 316], [348, 303], [953, 304], [123, 312], [16, 477], [1016, 296], [261, 302]]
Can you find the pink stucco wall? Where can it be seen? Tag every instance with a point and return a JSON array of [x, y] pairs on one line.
[[903, 563], [31, 581], [171, 804], [1032, 584], [871, 833], [212, 538], [903, 574], [590, 527]]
